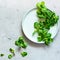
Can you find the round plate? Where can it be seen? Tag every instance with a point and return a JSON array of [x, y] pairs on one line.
[[28, 26]]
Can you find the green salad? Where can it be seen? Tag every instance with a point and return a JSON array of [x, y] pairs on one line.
[[46, 19]]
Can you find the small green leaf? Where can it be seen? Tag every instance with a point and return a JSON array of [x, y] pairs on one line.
[[10, 56], [36, 25], [39, 38], [1, 55], [46, 41], [21, 38], [35, 31], [51, 39], [23, 45], [11, 50], [48, 35], [41, 16], [24, 54]]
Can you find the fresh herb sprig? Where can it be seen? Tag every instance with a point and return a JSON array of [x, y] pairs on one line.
[[20, 42], [23, 54]]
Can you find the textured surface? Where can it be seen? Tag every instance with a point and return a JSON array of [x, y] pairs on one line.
[[11, 14]]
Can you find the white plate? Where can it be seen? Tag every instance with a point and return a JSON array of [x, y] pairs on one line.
[[28, 26]]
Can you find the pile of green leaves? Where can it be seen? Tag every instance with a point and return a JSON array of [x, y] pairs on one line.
[[46, 19], [20, 42], [50, 18]]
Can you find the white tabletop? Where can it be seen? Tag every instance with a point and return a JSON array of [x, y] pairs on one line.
[[11, 15]]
